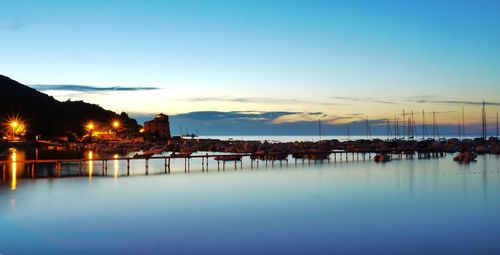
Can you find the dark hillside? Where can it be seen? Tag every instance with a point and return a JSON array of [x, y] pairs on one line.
[[47, 116]]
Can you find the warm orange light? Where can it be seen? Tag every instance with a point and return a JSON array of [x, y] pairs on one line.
[[16, 128], [14, 155], [13, 184], [142, 130], [90, 163], [90, 126], [116, 124]]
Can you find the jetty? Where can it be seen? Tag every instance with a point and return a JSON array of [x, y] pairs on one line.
[[225, 154], [87, 166]]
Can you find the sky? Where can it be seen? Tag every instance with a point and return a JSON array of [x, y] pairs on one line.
[[290, 61]]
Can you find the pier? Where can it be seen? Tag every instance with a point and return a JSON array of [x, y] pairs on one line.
[[85, 166]]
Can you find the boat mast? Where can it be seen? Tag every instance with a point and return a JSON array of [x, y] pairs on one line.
[[368, 131], [348, 133], [403, 123], [410, 127], [413, 125], [424, 126], [435, 129], [463, 122], [389, 130], [497, 125], [484, 120], [396, 127], [434, 125]]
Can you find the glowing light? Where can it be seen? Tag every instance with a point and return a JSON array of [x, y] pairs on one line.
[[142, 130], [14, 156], [15, 128], [90, 163], [116, 124], [13, 184], [90, 126], [115, 163]]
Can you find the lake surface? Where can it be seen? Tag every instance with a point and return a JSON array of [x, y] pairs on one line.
[[402, 207]]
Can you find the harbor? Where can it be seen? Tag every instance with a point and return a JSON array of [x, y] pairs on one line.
[[250, 127], [231, 152], [229, 208]]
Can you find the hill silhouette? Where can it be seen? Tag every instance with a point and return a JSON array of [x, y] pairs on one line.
[[49, 117]]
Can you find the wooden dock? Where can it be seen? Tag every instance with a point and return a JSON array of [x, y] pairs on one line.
[[221, 159]]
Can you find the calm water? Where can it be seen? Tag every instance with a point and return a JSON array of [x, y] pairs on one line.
[[402, 207], [300, 138]]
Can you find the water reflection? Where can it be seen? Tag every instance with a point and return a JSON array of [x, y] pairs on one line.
[[13, 184], [115, 164], [485, 180], [90, 164], [411, 178], [323, 207]]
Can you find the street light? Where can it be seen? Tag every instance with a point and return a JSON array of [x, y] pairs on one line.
[[115, 126], [90, 126], [15, 128]]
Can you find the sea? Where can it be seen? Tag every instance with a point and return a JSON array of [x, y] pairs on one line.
[[406, 206], [316, 138]]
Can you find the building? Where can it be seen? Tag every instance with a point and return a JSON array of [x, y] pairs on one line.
[[159, 127]]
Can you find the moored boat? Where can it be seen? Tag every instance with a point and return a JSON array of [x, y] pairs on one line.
[[379, 158], [465, 157]]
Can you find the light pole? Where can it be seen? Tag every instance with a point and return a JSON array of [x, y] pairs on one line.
[[16, 127], [116, 124], [319, 127], [13, 126], [90, 128]]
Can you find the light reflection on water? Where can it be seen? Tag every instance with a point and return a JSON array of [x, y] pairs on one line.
[[90, 163], [14, 170], [115, 167], [404, 206]]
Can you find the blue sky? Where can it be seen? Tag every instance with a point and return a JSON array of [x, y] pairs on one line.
[[372, 58]]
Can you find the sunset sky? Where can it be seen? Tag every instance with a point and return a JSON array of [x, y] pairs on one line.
[[347, 60]]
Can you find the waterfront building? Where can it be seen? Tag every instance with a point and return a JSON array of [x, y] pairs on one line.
[[159, 127]]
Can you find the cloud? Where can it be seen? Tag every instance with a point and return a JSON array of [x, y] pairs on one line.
[[419, 113], [234, 115], [299, 117], [343, 119], [364, 99], [88, 89], [417, 97], [458, 102], [263, 100], [215, 123]]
